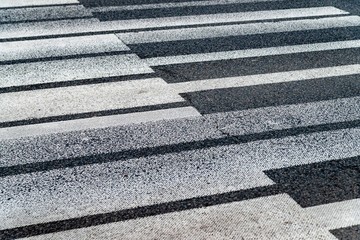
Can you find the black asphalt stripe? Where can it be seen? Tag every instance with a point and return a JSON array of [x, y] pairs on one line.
[[320, 183], [44, 20], [257, 96], [139, 212], [75, 56], [93, 114], [349, 233], [219, 44], [77, 82], [103, 3], [256, 65], [173, 148], [200, 10]]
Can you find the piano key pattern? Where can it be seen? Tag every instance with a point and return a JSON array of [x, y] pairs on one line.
[[204, 119]]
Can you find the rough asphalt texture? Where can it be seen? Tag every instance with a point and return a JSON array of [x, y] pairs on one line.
[[164, 119]]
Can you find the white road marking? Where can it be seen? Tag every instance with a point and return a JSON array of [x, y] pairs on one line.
[[274, 217], [39, 13], [54, 47], [86, 26], [85, 98], [268, 78], [221, 18], [248, 53], [238, 29], [27, 3], [337, 215], [96, 122], [71, 69], [49, 28]]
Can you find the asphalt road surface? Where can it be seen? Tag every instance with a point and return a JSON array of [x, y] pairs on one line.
[[179, 119]]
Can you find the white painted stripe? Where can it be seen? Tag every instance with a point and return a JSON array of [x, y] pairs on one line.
[[96, 122], [49, 28], [174, 5], [274, 217], [71, 69], [150, 180], [269, 78], [39, 13], [238, 29], [61, 27], [247, 53], [26, 3], [54, 47], [85, 98], [244, 122], [221, 18], [338, 214]]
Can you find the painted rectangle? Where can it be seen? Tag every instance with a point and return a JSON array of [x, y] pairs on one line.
[[85, 98], [257, 52], [55, 47], [221, 18], [28, 3], [273, 217], [96, 122], [342, 214], [43, 13], [238, 29], [49, 28], [71, 70]]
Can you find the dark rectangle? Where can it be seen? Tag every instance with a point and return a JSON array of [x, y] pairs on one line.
[[241, 98], [256, 65], [219, 44], [349, 233], [199, 10], [320, 183]]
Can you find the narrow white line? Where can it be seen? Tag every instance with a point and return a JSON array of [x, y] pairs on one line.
[[54, 47], [26, 3], [96, 122], [174, 5], [216, 56], [269, 78], [338, 214], [85, 98], [238, 29], [71, 69], [221, 18]]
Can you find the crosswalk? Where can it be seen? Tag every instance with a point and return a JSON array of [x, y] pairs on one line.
[[164, 119]]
